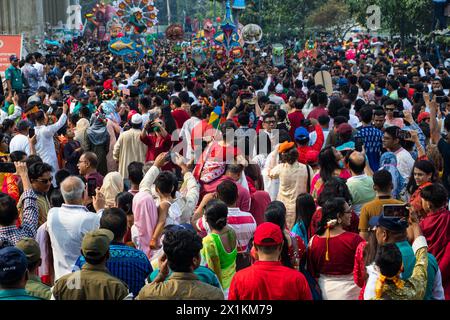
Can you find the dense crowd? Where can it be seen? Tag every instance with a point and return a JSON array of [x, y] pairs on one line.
[[164, 179]]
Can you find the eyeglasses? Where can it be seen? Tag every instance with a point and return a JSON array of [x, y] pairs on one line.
[[270, 122], [45, 181], [390, 109]]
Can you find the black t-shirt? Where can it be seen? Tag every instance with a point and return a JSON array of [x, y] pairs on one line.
[[444, 149]]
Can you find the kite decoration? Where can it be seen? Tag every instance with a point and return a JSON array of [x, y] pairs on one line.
[[252, 34], [137, 15], [127, 48]]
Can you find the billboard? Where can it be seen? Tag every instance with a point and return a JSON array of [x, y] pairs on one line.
[[9, 45]]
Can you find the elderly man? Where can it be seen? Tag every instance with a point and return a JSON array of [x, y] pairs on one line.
[[87, 165], [68, 225], [359, 184]]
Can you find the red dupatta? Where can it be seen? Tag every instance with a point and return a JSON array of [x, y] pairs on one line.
[[436, 229]]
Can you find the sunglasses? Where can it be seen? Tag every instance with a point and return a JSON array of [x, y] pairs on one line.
[[45, 181]]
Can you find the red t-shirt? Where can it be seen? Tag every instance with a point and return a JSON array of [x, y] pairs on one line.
[[341, 252], [269, 280], [180, 116], [295, 118], [317, 112]]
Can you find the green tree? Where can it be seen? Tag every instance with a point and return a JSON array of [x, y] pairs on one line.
[[334, 16], [402, 17]]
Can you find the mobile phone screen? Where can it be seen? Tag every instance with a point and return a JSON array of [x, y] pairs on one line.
[[92, 185]]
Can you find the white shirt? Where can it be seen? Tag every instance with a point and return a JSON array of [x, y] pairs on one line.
[[405, 163], [272, 186], [66, 227], [20, 142], [186, 134], [406, 104], [45, 146]]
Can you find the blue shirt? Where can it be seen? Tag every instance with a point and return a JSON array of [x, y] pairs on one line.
[[372, 144], [127, 264], [409, 261]]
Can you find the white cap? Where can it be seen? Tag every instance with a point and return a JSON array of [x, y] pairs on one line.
[[136, 119]]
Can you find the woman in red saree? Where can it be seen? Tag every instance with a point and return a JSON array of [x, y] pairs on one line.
[[436, 229]]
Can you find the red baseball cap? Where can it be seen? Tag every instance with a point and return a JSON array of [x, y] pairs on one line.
[[422, 116], [268, 234]]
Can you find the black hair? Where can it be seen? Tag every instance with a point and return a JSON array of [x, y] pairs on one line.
[[32, 159], [227, 125], [305, 206], [382, 179], [181, 247], [136, 172], [322, 98], [323, 120], [7, 124], [389, 259], [176, 101], [393, 131], [425, 166], [17, 156], [327, 163], [184, 97], [124, 201], [436, 194], [61, 175], [290, 156], [56, 198], [8, 210], [228, 192], [331, 209], [38, 169], [366, 114], [216, 214], [146, 103], [243, 119], [276, 213], [166, 183], [115, 220], [335, 188]]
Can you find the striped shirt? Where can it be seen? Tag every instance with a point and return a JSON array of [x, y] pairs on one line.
[[243, 224], [10, 235]]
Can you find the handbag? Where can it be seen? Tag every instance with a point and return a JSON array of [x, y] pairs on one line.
[[212, 170]]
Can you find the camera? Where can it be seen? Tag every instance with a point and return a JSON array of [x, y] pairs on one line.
[[398, 114], [442, 99], [403, 135]]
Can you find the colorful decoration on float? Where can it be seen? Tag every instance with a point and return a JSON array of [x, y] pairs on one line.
[[278, 55], [137, 15], [252, 34], [175, 32], [228, 37], [127, 48]]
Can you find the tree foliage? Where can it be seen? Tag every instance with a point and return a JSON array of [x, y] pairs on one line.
[[333, 15]]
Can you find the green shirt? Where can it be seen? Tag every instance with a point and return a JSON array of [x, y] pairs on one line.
[[361, 189], [16, 294], [15, 75], [37, 289]]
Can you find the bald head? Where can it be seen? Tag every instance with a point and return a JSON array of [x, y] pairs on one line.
[[72, 190], [357, 163]]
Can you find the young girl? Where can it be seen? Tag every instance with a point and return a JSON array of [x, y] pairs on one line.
[[169, 213], [219, 246]]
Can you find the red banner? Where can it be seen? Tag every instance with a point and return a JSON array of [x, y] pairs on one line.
[[9, 45]]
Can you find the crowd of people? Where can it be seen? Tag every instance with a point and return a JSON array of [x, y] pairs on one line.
[[124, 181]]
